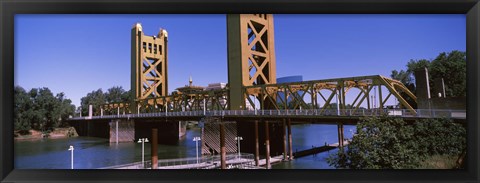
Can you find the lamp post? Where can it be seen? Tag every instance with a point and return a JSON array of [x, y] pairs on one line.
[[338, 105], [196, 139], [71, 157], [255, 105], [205, 107], [238, 139], [143, 140]]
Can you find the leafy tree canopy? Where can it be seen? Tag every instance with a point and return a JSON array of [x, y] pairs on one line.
[[39, 109], [98, 98], [391, 143]]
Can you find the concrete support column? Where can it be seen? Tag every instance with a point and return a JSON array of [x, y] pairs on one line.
[[267, 146], [90, 111], [290, 139], [257, 149], [284, 127], [154, 146], [223, 152], [340, 134], [116, 131], [380, 99]]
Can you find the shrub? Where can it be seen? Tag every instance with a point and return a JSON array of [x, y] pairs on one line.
[[390, 143]]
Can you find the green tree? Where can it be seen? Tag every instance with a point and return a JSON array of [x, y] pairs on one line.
[[439, 137], [64, 109], [380, 143], [53, 109], [22, 107], [39, 109], [452, 67], [114, 94], [127, 96], [35, 115], [390, 143], [94, 98], [98, 98]]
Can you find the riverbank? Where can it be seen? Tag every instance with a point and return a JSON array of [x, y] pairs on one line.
[[56, 133]]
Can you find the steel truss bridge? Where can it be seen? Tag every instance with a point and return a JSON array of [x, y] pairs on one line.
[[262, 108], [316, 95]]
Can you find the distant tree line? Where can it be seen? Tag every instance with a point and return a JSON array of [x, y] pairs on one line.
[[40, 109], [98, 98]]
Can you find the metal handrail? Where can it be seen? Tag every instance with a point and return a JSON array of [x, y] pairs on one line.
[[436, 113], [204, 162]]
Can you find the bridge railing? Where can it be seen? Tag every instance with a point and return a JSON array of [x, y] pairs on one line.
[[420, 113], [346, 112], [205, 162]]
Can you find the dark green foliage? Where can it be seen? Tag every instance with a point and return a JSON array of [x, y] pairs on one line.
[[439, 137], [452, 67], [22, 109], [97, 98], [115, 94], [390, 143], [39, 109], [380, 143], [94, 98]]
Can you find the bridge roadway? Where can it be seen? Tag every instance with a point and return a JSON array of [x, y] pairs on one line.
[[329, 116]]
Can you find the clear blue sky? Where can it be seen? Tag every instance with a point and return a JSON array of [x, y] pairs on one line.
[[77, 54]]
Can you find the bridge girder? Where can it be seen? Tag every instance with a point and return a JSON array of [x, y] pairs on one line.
[[282, 95], [288, 95]]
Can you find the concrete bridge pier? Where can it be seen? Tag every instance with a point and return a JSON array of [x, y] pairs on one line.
[[223, 152], [122, 131], [284, 125], [154, 149], [254, 130], [92, 128], [290, 148], [169, 131], [257, 153], [340, 134], [267, 146]]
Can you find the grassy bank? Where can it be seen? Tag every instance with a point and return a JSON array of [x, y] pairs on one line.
[[56, 133], [439, 162]]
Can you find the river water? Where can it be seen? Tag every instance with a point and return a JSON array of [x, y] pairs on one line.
[[91, 153]]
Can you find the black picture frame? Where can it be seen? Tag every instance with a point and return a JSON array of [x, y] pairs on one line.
[[9, 8]]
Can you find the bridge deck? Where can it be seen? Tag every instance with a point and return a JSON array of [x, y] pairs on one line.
[[299, 115]]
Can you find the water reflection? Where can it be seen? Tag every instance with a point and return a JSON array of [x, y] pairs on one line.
[[93, 152]]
